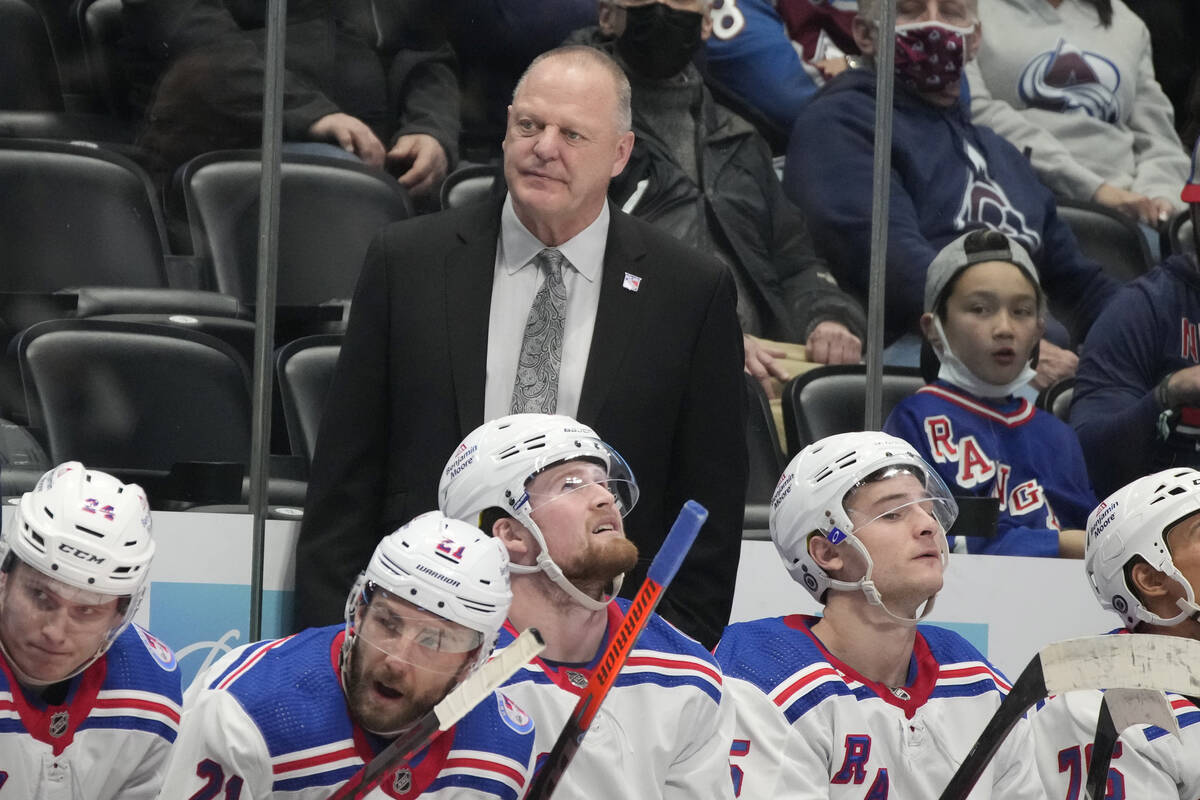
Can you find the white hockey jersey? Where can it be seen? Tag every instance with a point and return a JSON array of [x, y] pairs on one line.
[[1147, 761], [810, 726], [662, 732], [109, 740], [270, 720]]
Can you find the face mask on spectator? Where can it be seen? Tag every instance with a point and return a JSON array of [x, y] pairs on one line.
[[930, 55], [659, 41]]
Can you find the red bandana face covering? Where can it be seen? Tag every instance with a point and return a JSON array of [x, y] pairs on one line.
[[930, 55]]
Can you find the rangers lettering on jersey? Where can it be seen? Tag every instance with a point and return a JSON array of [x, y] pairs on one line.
[[976, 468]]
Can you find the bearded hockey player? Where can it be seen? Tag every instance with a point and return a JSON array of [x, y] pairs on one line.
[[297, 717], [861, 703], [89, 703], [555, 495]]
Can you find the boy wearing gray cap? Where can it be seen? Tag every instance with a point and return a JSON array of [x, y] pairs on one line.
[[984, 315]]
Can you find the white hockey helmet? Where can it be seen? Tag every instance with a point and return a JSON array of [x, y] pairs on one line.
[[445, 567], [1133, 523], [494, 464], [90, 533], [809, 501]]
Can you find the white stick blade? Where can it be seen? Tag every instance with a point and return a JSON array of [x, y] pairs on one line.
[[1129, 707], [1138, 661], [489, 677]]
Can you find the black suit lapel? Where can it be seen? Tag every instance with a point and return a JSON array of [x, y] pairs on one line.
[[469, 266], [619, 315]]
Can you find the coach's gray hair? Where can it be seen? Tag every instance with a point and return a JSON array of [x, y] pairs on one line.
[[583, 54]]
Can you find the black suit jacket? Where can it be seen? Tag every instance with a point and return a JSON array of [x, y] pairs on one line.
[[663, 385]]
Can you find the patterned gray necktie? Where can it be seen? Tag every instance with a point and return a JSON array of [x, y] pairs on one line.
[[536, 387]]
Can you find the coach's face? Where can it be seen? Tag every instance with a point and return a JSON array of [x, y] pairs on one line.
[[563, 146]]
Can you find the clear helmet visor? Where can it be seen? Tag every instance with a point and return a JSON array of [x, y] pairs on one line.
[[401, 631], [921, 495], [589, 475]]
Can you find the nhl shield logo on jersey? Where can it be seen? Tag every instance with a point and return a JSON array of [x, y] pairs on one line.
[[59, 722], [577, 679], [513, 715], [402, 781]]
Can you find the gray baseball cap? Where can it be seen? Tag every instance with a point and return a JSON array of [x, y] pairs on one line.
[[984, 245]]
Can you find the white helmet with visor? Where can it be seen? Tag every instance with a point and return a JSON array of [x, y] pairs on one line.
[[493, 468], [442, 566], [90, 535], [1132, 523], [810, 498]]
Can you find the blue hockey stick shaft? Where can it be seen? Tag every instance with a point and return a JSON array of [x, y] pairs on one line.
[[662, 571]]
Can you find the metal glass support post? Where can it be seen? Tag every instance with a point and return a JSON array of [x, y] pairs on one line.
[[885, 77], [264, 314]]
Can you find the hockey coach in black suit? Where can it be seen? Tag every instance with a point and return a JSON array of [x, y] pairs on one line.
[[550, 301]]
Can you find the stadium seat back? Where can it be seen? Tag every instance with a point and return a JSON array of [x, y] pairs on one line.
[[330, 209], [832, 399]]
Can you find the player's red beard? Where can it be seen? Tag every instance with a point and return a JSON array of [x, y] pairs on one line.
[[601, 562]]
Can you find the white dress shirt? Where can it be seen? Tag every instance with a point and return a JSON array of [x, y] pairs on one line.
[[515, 282]]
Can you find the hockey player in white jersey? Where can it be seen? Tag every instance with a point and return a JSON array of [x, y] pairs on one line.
[[89, 703], [555, 495], [297, 717], [1142, 560], [861, 703]]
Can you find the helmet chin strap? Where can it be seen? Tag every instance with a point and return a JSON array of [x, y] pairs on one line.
[[1188, 609], [869, 590], [546, 565]]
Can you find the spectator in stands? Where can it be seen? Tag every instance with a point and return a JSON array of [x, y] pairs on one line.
[[1136, 405], [641, 340], [984, 314], [776, 54], [355, 77], [704, 174], [948, 175], [1071, 83]]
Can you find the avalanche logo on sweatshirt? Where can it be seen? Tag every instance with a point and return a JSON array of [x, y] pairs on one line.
[[1069, 79], [986, 203]]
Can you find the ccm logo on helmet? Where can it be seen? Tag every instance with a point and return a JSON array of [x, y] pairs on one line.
[[90, 558]]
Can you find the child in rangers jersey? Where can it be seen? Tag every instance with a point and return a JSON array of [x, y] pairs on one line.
[[298, 717], [1142, 561], [89, 703], [984, 316], [861, 703], [555, 495]]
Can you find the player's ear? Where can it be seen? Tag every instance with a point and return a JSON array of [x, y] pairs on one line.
[[517, 539], [825, 553], [1149, 582]]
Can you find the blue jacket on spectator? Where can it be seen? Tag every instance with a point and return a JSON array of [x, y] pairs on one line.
[[1148, 331], [947, 176]]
